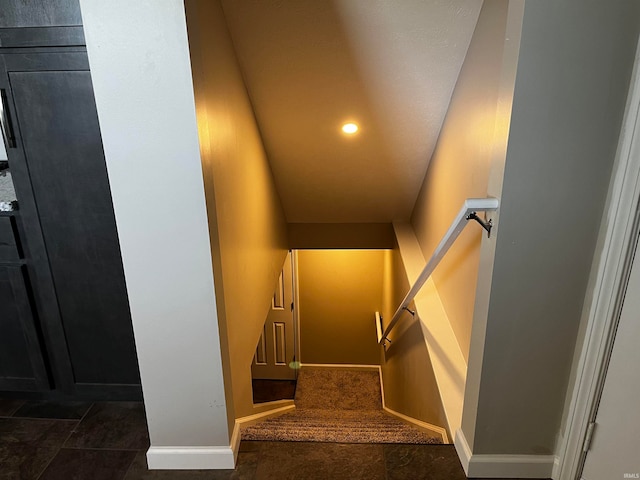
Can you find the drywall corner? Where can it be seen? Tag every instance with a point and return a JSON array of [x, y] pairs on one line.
[[171, 296]]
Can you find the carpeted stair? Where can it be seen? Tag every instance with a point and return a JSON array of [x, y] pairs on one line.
[[338, 405]]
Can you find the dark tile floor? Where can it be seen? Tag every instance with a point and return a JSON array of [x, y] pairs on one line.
[[108, 441]]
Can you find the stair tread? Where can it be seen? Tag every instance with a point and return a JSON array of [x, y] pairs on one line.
[[338, 405]]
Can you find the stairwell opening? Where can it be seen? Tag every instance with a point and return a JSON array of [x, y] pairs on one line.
[[257, 212], [320, 314], [336, 365]]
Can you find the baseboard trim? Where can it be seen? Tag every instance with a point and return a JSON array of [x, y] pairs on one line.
[[502, 466], [190, 458], [419, 423], [251, 419], [235, 440], [463, 450], [274, 404], [341, 365], [557, 465]]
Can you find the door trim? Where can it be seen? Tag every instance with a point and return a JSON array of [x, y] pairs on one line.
[[614, 255], [296, 305]]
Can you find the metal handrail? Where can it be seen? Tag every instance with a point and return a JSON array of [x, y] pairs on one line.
[[468, 212]]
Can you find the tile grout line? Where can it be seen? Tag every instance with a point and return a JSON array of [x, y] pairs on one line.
[[108, 449], [65, 441], [17, 408], [74, 429], [86, 413], [133, 460], [58, 450], [11, 412]]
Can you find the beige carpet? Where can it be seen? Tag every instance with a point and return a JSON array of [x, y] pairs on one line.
[[338, 405]]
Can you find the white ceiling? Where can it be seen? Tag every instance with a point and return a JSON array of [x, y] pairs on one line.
[[388, 65]]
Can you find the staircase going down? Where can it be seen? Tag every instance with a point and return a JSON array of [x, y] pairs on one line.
[[338, 405]]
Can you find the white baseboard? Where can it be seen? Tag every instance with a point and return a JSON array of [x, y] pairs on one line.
[[190, 458], [502, 466], [235, 440], [207, 458], [463, 450], [557, 466], [420, 424], [251, 419], [268, 406]]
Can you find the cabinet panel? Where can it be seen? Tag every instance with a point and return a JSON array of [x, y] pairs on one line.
[[21, 362], [62, 148], [9, 248], [38, 13]]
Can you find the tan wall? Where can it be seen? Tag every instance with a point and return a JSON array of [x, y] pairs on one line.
[[410, 386], [340, 291], [460, 168], [246, 220]]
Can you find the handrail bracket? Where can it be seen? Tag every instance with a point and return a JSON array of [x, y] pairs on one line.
[[486, 224], [412, 312]]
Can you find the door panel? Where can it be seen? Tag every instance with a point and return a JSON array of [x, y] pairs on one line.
[[21, 361], [275, 350], [47, 13], [61, 147], [614, 449]]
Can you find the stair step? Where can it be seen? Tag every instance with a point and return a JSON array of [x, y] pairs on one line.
[[338, 405]]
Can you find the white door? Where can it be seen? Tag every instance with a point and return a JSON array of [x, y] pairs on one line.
[[274, 357], [615, 447]]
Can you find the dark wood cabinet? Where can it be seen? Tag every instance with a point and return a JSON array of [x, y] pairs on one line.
[[72, 260], [22, 365], [61, 146], [39, 13], [10, 250]]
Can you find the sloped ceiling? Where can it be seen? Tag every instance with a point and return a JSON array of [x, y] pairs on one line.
[[388, 65]]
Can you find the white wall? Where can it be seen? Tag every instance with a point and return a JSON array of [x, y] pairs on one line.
[[3, 152], [470, 151], [139, 60], [573, 74]]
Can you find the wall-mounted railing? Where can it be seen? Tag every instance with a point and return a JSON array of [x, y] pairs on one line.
[[469, 211]]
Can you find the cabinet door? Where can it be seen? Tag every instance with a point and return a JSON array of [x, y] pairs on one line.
[[58, 139], [38, 13], [21, 363]]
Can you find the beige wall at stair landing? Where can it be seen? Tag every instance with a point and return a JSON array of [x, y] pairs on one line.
[[246, 221], [410, 386], [461, 166], [340, 291]]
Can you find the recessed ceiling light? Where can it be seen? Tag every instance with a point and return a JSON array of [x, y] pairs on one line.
[[350, 128]]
